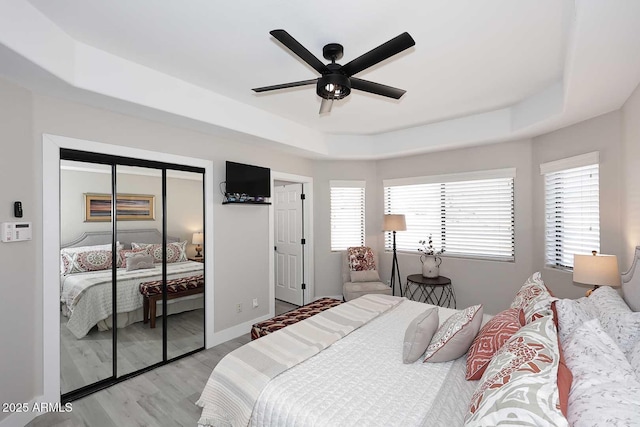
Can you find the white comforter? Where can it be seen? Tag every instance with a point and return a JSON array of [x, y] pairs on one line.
[[88, 300], [361, 380]]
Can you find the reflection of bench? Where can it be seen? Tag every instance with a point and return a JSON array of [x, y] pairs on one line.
[[294, 316], [176, 288]]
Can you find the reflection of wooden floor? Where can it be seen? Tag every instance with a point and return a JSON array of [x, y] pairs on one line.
[[89, 359], [163, 397]]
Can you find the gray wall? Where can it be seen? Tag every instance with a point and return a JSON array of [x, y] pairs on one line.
[[328, 280], [241, 239], [491, 283], [184, 203], [631, 177], [20, 307], [601, 134], [241, 232]]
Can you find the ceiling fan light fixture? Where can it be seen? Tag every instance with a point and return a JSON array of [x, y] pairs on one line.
[[333, 86]]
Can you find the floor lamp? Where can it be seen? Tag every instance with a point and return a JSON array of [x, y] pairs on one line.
[[394, 223]]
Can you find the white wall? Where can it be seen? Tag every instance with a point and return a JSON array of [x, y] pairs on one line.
[[184, 203], [601, 134], [241, 244], [631, 177], [328, 264], [20, 308], [491, 283]]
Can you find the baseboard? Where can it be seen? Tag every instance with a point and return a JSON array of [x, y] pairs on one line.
[[19, 419], [243, 328], [234, 331]]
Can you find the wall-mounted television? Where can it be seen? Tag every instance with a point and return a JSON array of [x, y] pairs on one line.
[[253, 181]]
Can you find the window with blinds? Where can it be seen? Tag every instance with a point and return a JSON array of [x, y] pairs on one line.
[[572, 209], [347, 214], [468, 215]]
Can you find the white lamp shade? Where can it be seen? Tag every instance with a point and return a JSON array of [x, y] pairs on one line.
[[600, 270], [394, 223], [198, 238]]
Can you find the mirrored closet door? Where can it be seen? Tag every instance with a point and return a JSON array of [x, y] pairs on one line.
[[132, 284]]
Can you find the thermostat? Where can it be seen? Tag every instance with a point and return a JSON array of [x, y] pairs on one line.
[[16, 231]]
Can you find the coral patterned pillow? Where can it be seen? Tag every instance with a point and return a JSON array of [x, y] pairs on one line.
[[491, 338], [80, 262], [520, 382], [533, 287], [361, 258], [454, 337]]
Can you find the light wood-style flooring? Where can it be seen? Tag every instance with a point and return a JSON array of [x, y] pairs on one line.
[[89, 359], [163, 397]]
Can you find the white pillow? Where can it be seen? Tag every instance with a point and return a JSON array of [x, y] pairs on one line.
[[572, 314], [418, 335], [634, 359], [455, 336], [605, 391], [624, 328], [607, 300], [139, 261]]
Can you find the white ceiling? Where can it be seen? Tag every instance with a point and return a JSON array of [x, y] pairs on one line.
[[481, 71]]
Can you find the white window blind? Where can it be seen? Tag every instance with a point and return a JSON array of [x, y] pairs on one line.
[[469, 218], [347, 214], [572, 212]]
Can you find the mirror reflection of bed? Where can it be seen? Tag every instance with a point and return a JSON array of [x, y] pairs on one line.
[[86, 338], [86, 280]]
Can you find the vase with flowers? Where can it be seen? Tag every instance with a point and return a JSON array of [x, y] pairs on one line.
[[430, 258]]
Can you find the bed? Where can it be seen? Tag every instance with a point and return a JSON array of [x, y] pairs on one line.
[[86, 296], [566, 362]]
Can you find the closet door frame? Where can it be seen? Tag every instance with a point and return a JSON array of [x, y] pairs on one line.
[[52, 146]]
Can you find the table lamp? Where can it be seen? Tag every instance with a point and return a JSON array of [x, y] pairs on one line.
[[198, 239], [394, 223], [597, 270]]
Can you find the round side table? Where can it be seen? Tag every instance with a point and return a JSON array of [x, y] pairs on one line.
[[436, 291]]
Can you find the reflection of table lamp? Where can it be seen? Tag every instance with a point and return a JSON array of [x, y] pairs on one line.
[[596, 269], [394, 223], [198, 239]]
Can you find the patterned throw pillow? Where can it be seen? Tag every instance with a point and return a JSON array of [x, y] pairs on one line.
[[176, 252], [418, 335], [605, 391], [81, 262], [361, 258], [67, 254], [456, 334], [520, 381], [123, 255], [532, 287], [491, 338]]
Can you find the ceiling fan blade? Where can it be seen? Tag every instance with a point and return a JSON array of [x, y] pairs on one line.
[[295, 47], [376, 88], [285, 85], [325, 106], [379, 54]]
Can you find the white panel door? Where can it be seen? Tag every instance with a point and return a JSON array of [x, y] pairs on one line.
[[288, 230]]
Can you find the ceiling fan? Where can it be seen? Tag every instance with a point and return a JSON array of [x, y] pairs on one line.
[[337, 80]]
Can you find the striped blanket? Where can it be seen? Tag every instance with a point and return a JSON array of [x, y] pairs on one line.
[[237, 381]]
